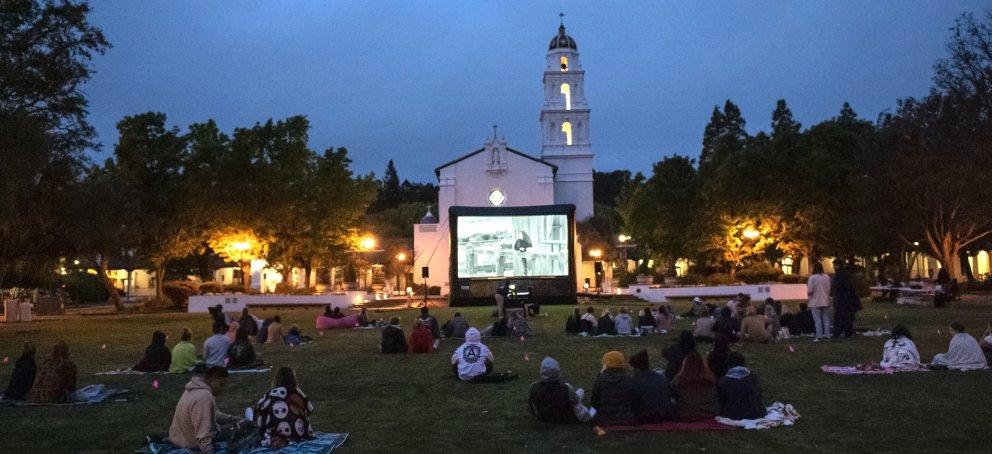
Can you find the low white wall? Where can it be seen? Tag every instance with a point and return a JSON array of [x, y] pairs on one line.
[[237, 302], [756, 292]]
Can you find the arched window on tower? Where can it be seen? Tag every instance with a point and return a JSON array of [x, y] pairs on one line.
[[564, 63], [566, 92], [494, 158], [566, 129]]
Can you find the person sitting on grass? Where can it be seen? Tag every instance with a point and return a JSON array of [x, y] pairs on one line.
[[241, 353], [771, 312], [196, 420], [754, 327], [702, 327], [589, 322], [554, 401], [698, 308], [56, 378], [986, 344], [393, 340], [645, 322], [429, 321], [283, 413], [663, 319], [421, 338], [335, 313], [695, 389], [275, 335], [248, 322], [157, 357], [183, 353], [500, 327], [473, 362], [215, 347], [574, 323], [456, 327], [739, 391], [718, 358], [964, 353], [263, 331], [623, 323], [613, 392], [605, 324], [232, 331], [726, 324], [652, 393], [23, 375], [363, 317], [295, 337], [804, 320], [518, 324], [676, 353], [899, 352]]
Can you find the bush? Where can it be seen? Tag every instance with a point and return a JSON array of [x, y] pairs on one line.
[[719, 279], [233, 288], [789, 278], [432, 290], [758, 274], [211, 287], [86, 288], [179, 292], [289, 289], [862, 282]]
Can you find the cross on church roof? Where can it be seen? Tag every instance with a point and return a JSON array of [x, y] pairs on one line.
[[562, 16], [494, 132]]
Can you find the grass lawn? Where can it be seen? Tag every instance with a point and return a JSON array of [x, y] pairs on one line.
[[405, 403]]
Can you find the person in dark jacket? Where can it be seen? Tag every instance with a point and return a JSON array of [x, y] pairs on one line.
[[652, 393], [552, 400], [248, 322], [21, 379], [846, 301], [574, 323], [675, 354], [393, 340], [613, 392], [717, 359], [241, 353], [727, 325], [740, 392], [263, 331], [606, 325], [429, 321], [157, 357], [646, 322], [804, 320]]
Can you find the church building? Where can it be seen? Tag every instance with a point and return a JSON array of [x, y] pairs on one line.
[[507, 215]]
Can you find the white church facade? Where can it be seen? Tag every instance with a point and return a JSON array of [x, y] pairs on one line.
[[506, 215]]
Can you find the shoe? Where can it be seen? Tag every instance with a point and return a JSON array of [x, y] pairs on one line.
[[816, 339]]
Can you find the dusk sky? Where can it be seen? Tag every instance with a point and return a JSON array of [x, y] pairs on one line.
[[422, 82]]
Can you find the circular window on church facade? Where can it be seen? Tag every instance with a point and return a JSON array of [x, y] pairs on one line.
[[497, 197]]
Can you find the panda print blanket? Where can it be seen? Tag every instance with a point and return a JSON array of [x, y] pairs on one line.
[[283, 416]]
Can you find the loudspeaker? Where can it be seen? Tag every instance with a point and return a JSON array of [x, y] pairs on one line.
[[425, 272]]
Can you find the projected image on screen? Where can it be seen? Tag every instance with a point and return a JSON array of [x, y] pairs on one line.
[[512, 246]]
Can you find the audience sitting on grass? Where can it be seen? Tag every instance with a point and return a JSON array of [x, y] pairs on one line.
[[248, 322], [574, 323], [698, 309], [804, 320], [754, 327], [899, 352], [421, 338], [295, 337], [702, 327], [215, 347], [613, 392], [334, 313], [675, 354], [552, 400], [500, 327], [232, 331], [429, 321], [183, 353], [393, 339], [196, 420], [275, 335], [771, 313], [218, 315], [241, 353], [986, 344], [623, 323], [719, 356], [695, 389], [283, 413], [157, 357], [652, 392], [605, 324], [473, 362], [263, 331], [663, 319], [23, 375], [518, 324], [456, 327], [589, 321], [56, 378], [727, 325], [363, 318], [646, 321], [964, 353], [739, 391]]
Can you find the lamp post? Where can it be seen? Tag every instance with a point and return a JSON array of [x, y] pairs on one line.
[[366, 245], [597, 253], [623, 243], [401, 258]]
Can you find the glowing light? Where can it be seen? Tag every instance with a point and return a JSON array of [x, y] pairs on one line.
[[401, 256], [566, 91], [566, 128], [595, 253], [75, 262], [367, 243], [409, 290], [564, 63], [241, 245], [916, 243], [623, 238], [750, 233]]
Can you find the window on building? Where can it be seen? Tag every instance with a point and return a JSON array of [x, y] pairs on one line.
[[564, 63], [566, 92], [787, 265], [566, 129]]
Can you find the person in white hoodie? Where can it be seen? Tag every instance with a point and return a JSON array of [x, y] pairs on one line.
[[472, 361], [818, 290]]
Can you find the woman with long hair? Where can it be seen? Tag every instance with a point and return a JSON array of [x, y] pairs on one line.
[[695, 387], [283, 413]]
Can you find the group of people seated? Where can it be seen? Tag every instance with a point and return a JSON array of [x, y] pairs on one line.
[[964, 351], [649, 320], [689, 389], [739, 320], [52, 383], [281, 416], [424, 338]]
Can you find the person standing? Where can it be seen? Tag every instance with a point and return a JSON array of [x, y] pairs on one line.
[[502, 292], [818, 292], [846, 301]]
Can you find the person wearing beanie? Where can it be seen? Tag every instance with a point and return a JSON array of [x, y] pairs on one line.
[[552, 400], [613, 392], [740, 391], [652, 394]]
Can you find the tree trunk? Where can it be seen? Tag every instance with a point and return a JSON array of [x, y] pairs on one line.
[[160, 280], [246, 276], [733, 273], [307, 269], [108, 284], [287, 276]]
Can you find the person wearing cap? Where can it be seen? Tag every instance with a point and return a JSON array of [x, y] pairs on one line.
[[652, 393], [613, 392], [552, 400], [698, 307]]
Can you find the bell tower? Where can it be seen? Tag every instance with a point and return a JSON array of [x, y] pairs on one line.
[[565, 125]]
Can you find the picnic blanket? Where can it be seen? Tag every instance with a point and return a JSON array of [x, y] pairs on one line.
[[323, 443], [87, 395], [779, 414], [708, 424], [870, 370], [129, 371], [875, 332]]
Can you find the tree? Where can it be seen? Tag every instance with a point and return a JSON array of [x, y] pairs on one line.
[[607, 186], [724, 136], [967, 73], [240, 246], [740, 238], [45, 49]]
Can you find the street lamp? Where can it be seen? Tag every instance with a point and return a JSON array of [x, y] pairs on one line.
[[367, 243], [751, 234], [595, 253]]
